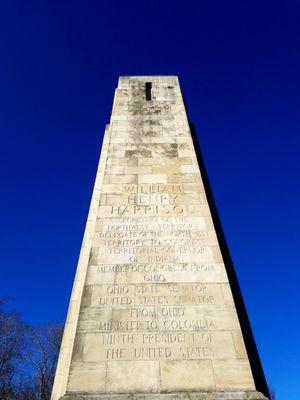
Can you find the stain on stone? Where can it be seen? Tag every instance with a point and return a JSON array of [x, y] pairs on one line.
[[86, 296], [78, 347], [171, 153], [137, 153], [93, 256], [183, 146]]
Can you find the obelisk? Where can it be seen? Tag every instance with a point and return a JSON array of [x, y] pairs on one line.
[[155, 311]]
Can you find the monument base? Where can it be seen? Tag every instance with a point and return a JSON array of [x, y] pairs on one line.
[[209, 395]]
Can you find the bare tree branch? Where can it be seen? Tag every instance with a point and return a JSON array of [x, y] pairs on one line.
[[11, 346]]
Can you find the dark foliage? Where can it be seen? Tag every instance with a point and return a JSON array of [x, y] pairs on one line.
[[11, 346], [28, 357]]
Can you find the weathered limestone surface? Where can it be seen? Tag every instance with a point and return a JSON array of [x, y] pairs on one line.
[[151, 314]]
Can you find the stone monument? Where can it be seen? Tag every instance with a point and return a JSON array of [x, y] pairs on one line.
[[156, 311]]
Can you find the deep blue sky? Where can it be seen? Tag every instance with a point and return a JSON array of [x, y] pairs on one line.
[[238, 65]]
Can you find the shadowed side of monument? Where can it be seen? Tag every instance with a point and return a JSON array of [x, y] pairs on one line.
[[152, 313], [252, 352]]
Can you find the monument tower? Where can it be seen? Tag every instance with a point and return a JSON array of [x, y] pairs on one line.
[[156, 311]]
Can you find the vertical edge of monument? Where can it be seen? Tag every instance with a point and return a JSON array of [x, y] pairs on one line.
[[253, 355], [65, 355]]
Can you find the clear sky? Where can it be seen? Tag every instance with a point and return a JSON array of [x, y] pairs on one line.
[[238, 64]]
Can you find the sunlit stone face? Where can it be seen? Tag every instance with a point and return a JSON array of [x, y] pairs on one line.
[[151, 309]]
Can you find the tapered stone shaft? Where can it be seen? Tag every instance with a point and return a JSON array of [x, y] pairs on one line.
[[152, 312]]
